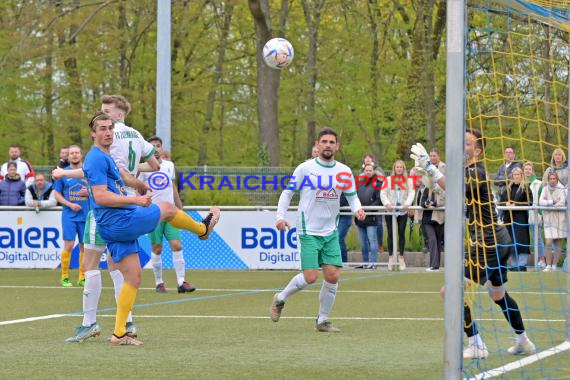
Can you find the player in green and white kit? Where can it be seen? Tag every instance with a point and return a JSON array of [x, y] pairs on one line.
[[167, 194], [320, 182]]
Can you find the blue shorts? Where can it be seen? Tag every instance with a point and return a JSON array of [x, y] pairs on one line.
[[121, 249], [122, 235], [130, 224], [72, 228]]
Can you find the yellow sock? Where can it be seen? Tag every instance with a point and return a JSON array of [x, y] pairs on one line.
[[185, 222], [65, 260], [81, 272], [125, 304]]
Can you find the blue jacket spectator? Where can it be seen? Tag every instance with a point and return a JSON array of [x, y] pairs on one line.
[[12, 189]]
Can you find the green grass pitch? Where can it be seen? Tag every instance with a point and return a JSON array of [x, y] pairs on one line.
[[392, 328]]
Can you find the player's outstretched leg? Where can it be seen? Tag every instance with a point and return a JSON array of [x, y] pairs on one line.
[[296, 284], [179, 219]]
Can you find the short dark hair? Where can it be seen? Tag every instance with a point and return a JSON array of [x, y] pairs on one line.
[[155, 138], [327, 131], [15, 146], [435, 150], [97, 117], [479, 139], [12, 163]]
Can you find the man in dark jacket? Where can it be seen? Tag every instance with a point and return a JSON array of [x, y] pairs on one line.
[[369, 195], [12, 189], [63, 157]]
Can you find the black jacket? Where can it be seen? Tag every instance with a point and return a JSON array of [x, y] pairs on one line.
[[369, 196]]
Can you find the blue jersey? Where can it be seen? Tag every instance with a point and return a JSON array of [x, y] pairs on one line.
[[100, 169], [69, 188]]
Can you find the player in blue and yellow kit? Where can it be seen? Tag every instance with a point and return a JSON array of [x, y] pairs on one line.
[[121, 219], [72, 194]]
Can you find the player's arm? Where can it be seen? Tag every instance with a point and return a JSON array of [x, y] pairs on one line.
[[133, 182], [353, 201], [151, 165], [177, 200], [285, 198], [59, 173], [61, 199], [148, 150], [107, 198]]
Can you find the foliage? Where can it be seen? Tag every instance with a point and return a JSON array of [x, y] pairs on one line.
[[220, 198], [59, 57], [380, 76]]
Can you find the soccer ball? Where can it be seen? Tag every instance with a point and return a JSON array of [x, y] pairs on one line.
[[278, 53]]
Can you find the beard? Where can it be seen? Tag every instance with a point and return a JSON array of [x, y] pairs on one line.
[[327, 154]]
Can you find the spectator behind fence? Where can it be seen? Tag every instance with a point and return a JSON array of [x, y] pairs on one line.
[[553, 195], [397, 196], [63, 157], [24, 168], [369, 195], [40, 194], [369, 159], [433, 224], [517, 193], [12, 188], [559, 165], [435, 159], [416, 216], [535, 216], [505, 171]]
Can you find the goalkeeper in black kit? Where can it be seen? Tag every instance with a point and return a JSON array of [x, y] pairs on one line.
[[489, 246]]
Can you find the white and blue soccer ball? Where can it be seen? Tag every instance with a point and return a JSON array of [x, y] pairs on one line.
[[278, 53]]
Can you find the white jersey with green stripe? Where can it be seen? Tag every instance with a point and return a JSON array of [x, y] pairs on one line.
[[320, 185], [128, 148]]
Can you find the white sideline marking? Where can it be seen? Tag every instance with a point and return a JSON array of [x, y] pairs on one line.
[[31, 319], [433, 319], [523, 362], [425, 319], [274, 290]]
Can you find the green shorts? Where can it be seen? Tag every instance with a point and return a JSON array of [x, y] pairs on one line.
[[91, 236], [319, 250], [164, 228]]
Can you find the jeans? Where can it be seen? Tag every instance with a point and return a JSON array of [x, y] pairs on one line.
[[368, 243], [380, 230], [344, 223]]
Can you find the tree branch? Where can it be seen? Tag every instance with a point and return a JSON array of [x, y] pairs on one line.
[[89, 18]]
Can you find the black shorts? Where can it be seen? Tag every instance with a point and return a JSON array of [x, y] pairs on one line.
[[489, 264]]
